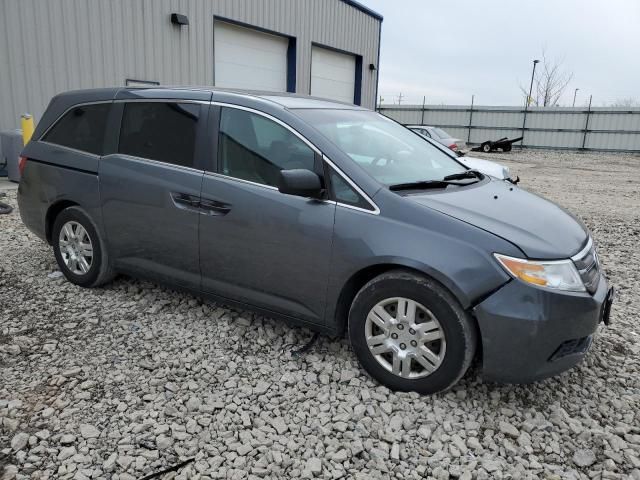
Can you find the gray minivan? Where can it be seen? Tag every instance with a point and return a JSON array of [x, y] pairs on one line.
[[320, 212]]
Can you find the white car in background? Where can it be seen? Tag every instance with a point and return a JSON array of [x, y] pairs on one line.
[[440, 136], [487, 167]]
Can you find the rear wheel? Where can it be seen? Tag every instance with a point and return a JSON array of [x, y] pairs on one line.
[[79, 250], [410, 333]]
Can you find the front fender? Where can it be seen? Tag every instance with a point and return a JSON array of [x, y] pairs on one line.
[[454, 253]]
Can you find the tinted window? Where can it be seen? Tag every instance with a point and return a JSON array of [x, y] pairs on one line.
[[160, 131], [254, 148], [345, 193], [81, 128]]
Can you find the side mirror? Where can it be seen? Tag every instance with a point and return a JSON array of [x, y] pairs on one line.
[[300, 182]]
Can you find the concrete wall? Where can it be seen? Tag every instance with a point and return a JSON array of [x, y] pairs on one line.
[[49, 46]]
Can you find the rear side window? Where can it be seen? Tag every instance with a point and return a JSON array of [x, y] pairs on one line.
[[160, 131], [81, 128]]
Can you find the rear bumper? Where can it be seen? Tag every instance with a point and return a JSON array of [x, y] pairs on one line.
[[529, 333]]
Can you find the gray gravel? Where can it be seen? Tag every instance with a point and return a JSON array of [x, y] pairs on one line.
[[127, 380]]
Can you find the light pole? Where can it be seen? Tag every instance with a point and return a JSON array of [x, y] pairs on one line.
[[533, 74], [575, 92], [526, 104]]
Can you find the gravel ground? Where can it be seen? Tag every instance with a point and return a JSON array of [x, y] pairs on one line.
[[127, 380]]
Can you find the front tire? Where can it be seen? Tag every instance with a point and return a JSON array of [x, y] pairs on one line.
[[79, 250], [410, 334]]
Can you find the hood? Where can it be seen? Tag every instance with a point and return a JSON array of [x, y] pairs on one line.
[[540, 228]]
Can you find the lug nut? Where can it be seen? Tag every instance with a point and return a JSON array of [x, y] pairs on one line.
[[400, 327], [394, 336], [403, 346], [412, 331], [414, 343]]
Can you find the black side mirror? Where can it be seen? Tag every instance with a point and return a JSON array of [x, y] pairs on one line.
[[300, 182]]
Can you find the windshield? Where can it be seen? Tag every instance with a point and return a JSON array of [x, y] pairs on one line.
[[389, 152]]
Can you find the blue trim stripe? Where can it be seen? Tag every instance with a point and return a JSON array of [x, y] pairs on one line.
[[363, 9], [357, 88], [291, 65]]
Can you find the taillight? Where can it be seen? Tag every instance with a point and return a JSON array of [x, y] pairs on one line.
[[453, 147], [21, 164]]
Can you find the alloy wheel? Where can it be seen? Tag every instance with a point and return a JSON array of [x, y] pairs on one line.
[[405, 337], [75, 247]]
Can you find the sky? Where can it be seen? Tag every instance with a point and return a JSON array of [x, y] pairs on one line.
[[450, 50]]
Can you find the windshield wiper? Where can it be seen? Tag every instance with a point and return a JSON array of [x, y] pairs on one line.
[[465, 174], [426, 184]]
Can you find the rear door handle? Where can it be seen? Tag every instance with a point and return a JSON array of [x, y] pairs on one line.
[[214, 207]]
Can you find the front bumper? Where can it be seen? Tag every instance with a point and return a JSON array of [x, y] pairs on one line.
[[530, 333]]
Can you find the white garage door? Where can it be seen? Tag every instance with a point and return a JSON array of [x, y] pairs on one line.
[[248, 59], [333, 74]]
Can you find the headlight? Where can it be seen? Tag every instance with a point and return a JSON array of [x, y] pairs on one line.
[[556, 274]]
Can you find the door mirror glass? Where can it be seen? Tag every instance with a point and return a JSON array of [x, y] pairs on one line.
[[300, 182]]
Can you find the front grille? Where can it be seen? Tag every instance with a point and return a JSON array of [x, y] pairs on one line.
[[588, 266], [571, 347]]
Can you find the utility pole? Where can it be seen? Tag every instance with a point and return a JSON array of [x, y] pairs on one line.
[[575, 92], [424, 100], [400, 98], [526, 105]]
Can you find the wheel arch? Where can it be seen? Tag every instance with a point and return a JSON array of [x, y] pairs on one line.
[[52, 212], [359, 278]]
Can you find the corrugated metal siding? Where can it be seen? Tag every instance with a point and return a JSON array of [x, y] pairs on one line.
[[555, 127], [49, 46]]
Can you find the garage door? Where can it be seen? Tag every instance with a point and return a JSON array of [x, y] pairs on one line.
[[333, 74], [246, 58]]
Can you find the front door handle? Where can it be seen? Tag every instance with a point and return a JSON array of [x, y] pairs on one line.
[[214, 207], [185, 201]]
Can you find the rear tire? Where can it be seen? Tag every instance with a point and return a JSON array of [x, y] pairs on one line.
[[80, 252], [440, 338]]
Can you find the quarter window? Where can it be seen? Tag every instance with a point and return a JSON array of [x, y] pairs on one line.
[[160, 131], [82, 128], [252, 147], [345, 193]]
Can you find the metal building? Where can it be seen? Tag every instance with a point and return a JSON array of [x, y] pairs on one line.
[[328, 48]]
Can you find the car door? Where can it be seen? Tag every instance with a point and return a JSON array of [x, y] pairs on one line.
[[150, 190], [257, 245]]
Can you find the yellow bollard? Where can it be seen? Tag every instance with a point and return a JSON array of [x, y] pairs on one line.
[[27, 128]]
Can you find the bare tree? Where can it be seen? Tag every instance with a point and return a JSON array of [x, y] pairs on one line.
[[626, 102], [549, 83]]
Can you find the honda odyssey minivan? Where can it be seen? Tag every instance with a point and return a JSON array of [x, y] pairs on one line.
[[320, 212]]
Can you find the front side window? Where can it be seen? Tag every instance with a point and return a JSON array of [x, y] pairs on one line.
[[389, 152], [160, 131], [255, 148], [81, 128]]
